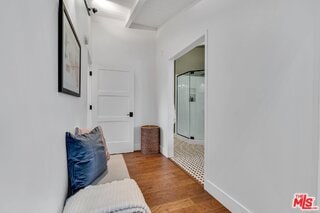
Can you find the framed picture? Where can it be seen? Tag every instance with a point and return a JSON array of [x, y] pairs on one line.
[[69, 55]]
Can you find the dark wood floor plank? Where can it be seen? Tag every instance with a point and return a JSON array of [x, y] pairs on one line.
[[167, 188]]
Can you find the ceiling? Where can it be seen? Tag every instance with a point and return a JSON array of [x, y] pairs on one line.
[[141, 14], [115, 9]]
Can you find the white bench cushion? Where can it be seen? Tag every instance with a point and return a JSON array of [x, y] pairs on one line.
[[117, 170]]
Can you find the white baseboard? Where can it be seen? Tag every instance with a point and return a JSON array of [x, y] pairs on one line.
[[164, 151], [226, 200], [137, 147]]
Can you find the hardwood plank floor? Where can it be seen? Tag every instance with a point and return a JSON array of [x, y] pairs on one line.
[[167, 188]]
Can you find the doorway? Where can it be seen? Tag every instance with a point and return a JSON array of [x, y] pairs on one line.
[[189, 101]]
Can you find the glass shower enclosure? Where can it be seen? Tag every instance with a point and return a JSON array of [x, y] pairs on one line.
[[190, 105]]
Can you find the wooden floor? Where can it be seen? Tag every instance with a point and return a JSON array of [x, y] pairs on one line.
[[167, 188]]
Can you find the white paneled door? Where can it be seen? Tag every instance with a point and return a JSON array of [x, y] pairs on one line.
[[113, 103]]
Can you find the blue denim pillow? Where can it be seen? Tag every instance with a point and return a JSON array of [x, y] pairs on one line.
[[86, 159]]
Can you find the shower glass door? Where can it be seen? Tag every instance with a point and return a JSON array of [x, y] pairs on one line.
[[183, 94], [190, 105], [196, 105]]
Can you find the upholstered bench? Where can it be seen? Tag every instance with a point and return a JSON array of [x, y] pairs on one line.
[[99, 182], [113, 191], [117, 170]]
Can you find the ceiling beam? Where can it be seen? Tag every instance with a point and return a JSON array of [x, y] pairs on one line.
[[134, 12], [142, 27]]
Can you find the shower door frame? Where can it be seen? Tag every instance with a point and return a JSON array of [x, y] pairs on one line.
[[177, 102]]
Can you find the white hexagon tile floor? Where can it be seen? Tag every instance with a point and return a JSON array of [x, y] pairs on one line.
[[190, 157]]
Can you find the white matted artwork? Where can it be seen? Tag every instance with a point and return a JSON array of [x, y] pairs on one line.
[[69, 55]]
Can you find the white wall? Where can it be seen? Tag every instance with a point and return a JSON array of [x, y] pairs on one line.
[[116, 47], [33, 115], [263, 59]]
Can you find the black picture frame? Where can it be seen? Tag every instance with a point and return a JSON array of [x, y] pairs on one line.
[[69, 63]]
